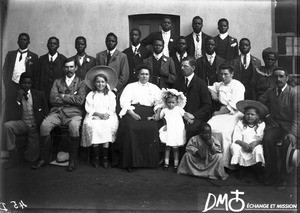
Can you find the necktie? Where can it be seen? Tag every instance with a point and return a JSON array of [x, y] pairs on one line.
[[51, 59], [135, 51], [197, 38], [279, 90], [21, 53], [108, 58], [186, 83], [209, 58], [181, 56], [245, 61], [25, 96]]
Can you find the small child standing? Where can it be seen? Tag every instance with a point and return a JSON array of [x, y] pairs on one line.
[[247, 149], [173, 132], [203, 157]]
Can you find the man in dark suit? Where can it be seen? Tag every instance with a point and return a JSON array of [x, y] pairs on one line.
[[136, 53], [83, 60], [166, 35], [245, 65], [17, 62], [196, 39], [32, 109], [50, 68], [67, 97], [180, 54], [226, 46], [162, 68], [115, 59], [198, 105], [207, 66]]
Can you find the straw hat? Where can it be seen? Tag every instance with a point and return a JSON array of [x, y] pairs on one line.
[[112, 76], [262, 109], [292, 158], [62, 159]]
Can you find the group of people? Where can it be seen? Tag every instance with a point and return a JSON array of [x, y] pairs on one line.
[[193, 93]]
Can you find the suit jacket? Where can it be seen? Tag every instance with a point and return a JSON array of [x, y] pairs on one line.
[[152, 36], [47, 73], [9, 64], [232, 48], [72, 103], [238, 73], [283, 108], [201, 64], [88, 63], [119, 63], [198, 97], [167, 72], [191, 45], [177, 64], [40, 107], [134, 60]]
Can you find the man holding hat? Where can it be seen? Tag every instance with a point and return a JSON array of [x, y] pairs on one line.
[[67, 97], [281, 129]]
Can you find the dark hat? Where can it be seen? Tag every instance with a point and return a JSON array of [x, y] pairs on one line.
[[110, 73], [262, 109]]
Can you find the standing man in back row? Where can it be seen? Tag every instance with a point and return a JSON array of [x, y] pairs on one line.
[[166, 35], [196, 40]]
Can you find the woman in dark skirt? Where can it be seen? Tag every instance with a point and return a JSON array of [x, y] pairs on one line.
[[138, 140]]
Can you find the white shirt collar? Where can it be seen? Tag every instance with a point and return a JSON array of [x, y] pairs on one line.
[[69, 80], [112, 51], [194, 34], [190, 78], [157, 56], [53, 57], [183, 56], [166, 32], [143, 85], [283, 88], [23, 50], [223, 35], [133, 47]]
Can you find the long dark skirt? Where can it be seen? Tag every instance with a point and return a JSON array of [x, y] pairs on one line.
[[138, 141]]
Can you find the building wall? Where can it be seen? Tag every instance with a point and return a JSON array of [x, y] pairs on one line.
[[67, 19]]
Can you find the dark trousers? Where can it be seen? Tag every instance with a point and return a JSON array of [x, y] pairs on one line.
[[272, 137]]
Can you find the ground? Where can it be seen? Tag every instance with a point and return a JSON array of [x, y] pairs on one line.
[[53, 189]]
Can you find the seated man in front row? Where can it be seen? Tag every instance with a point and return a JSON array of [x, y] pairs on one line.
[[32, 109], [67, 96]]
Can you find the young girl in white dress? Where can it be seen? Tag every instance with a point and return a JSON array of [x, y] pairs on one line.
[[101, 122], [247, 149], [173, 132]]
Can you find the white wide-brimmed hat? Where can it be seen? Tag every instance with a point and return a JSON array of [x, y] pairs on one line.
[[181, 99], [292, 158], [110, 73], [262, 109], [62, 159]]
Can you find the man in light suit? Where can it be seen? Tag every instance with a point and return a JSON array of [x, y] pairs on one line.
[[17, 62], [244, 66], [196, 40], [136, 53], [115, 59], [67, 97], [32, 109], [198, 105], [207, 66], [166, 35], [226, 45], [162, 68], [50, 67], [84, 61]]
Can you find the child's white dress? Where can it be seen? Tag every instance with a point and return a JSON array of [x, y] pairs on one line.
[[175, 134], [248, 135]]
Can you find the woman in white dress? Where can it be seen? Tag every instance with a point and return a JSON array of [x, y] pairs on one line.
[[101, 122], [228, 92]]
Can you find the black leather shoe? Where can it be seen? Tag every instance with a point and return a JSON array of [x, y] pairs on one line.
[[39, 164], [71, 166]]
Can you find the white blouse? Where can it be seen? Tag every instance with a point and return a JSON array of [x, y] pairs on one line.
[[98, 102], [144, 94], [229, 94]]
